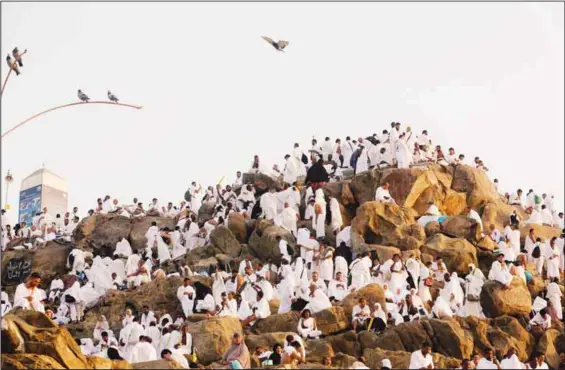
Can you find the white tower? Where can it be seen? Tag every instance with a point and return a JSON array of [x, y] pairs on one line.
[[39, 190]]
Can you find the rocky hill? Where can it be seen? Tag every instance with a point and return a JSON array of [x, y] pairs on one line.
[[31, 340]]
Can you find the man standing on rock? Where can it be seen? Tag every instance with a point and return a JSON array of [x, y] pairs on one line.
[[186, 295], [28, 295]]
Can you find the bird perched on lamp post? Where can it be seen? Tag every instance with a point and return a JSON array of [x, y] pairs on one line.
[[112, 97], [13, 66], [82, 96], [279, 45]]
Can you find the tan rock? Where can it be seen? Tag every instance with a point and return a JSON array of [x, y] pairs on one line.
[[461, 227], [267, 340], [41, 336], [384, 252], [225, 242], [281, 322], [238, 226], [261, 182], [456, 253], [139, 227], [213, 337], [29, 361], [543, 232], [432, 228], [157, 364], [265, 246], [475, 183], [331, 320], [497, 301], [549, 344], [98, 362], [373, 293]]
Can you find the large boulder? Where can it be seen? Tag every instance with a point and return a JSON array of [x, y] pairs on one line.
[[264, 245], [475, 183], [261, 182], [225, 242], [456, 253], [108, 231], [446, 336], [32, 332], [48, 261], [98, 362], [213, 337], [417, 188], [373, 293], [497, 301], [384, 224], [238, 226], [498, 213], [206, 211], [461, 227], [281, 322], [331, 320], [364, 185], [401, 359], [549, 345], [139, 227], [267, 340], [345, 343]]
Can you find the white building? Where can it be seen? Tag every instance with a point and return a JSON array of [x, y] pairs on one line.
[[42, 189]]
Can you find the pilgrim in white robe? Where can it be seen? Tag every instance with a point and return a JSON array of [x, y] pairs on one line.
[[55, 289], [534, 219], [453, 288], [487, 364], [403, 154], [397, 277], [347, 150], [500, 273], [154, 333], [244, 310], [249, 293], [511, 363], [261, 309], [6, 305], [319, 221], [123, 248], [285, 292], [340, 265], [327, 265], [219, 286], [360, 314], [553, 258], [383, 195], [287, 220], [143, 352], [76, 308], [554, 296], [338, 289], [291, 170], [21, 298], [318, 301], [360, 275], [362, 164], [186, 295], [307, 328], [344, 236], [441, 308], [266, 288], [268, 203], [337, 220]]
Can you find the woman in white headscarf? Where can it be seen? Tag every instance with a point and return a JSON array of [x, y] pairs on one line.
[[319, 221], [307, 327], [101, 325], [378, 319], [128, 318], [474, 284]]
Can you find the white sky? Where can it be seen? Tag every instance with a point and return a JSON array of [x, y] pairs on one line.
[[484, 78]]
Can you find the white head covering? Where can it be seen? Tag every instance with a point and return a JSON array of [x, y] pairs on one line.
[[386, 363]]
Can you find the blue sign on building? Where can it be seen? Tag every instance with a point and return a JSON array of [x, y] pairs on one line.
[[30, 204]]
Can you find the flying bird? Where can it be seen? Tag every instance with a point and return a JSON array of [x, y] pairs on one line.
[[17, 56], [82, 96], [12, 65], [112, 97], [279, 45]]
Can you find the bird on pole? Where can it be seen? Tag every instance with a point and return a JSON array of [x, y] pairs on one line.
[[82, 96], [112, 97], [279, 45], [17, 56], [12, 65]]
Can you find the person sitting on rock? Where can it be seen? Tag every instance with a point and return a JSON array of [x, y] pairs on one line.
[[540, 322], [489, 361], [361, 313], [500, 272], [237, 356], [422, 358], [307, 327], [383, 195], [260, 310]]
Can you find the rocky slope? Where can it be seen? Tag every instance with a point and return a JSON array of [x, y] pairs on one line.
[[34, 341]]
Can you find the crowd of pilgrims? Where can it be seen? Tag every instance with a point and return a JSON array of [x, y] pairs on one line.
[[313, 279]]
